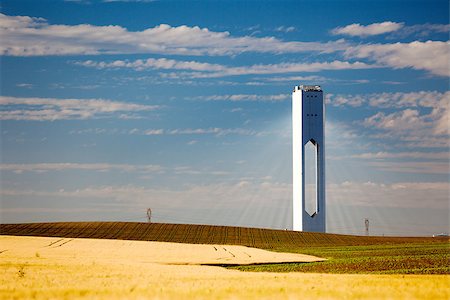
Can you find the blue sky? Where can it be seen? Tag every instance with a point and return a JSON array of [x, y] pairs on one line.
[[110, 107]]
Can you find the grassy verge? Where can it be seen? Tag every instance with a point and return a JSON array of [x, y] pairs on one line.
[[429, 258]]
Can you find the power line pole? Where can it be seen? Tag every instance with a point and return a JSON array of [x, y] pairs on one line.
[[149, 215], [366, 222]]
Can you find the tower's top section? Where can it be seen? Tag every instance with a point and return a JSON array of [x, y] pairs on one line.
[[308, 88]]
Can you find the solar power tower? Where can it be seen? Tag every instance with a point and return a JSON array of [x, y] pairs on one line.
[[308, 120]]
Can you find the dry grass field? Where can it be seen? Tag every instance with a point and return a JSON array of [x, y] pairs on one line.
[[43, 268], [118, 260]]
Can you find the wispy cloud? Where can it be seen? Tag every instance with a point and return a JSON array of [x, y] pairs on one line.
[[51, 109], [285, 29], [407, 119], [243, 97], [138, 1], [415, 154], [28, 36], [100, 167], [402, 194], [357, 29], [420, 30], [149, 131], [413, 167], [394, 29], [412, 120], [25, 85], [216, 131], [152, 63], [206, 70], [430, 99], [201, 131], [313, 79], [79, 1], [231, 194], [245, 192], [40, 168], [407, 162], [431, 56], [345, 100], [412, 127]]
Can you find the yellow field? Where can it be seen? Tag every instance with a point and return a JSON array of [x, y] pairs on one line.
[[39, 267]]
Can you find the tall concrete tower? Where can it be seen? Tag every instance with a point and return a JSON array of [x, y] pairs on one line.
[[308, 120]]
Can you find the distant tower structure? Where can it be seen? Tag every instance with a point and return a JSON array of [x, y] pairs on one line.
[[366, 223], [149, 215], [308, 123]]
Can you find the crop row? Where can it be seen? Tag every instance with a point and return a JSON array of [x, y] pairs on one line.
[[432, 258], [278, 240]]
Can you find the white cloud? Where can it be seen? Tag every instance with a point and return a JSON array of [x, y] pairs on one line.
[[415, 154], [25, 85], [431, 56], [412, 128], [408, 119], [368, 30], [414, 167], [248, 193], [51, 109], [40, 168], [285, 29], [225, 195], [153, 132], [139, 1], [402, 194], [187, 131], [421, 30], [435, 123], [215, 131], [419, 139], [188, 204], [341, 100], [152, 63], [314, 78], [429, 99], [248, 202], [243, 97], [79, 1], [185, 170], [206, 70], [27, 36], [411, 118], [100, 167], [412, 99]]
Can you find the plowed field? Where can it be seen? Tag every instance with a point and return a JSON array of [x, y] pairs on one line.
[[344, 253], [202, 234]]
